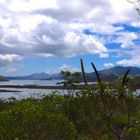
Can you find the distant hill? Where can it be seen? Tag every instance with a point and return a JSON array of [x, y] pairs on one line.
[[120, 70], [112, 73], [37, 76], [106, 75]]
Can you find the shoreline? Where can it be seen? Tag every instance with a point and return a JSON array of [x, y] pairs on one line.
[[41, 87], [47, 87]]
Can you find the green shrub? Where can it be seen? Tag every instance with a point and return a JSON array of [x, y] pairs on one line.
[[30, 120]]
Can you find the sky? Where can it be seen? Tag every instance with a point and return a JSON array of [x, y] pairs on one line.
[[52, 35]]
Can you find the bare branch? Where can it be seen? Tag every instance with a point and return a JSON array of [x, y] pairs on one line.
[[96, 72], [124, 81], [83, 73]]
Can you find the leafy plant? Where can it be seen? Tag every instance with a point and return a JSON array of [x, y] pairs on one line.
[[116, 102], [105, 111], [71, 79]]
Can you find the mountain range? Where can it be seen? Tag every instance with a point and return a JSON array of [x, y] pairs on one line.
[[106, 74], [36, 76], [113, 73]]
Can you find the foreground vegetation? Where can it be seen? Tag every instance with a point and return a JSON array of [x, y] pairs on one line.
[[107, 112], [103, 112]]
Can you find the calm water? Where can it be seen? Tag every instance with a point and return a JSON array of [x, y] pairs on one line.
[[24, 93], [30, 82]]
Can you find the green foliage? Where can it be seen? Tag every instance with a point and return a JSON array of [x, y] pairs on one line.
[[80, 116], [70, 78], [102, 112], [3, 104], [30, 119]]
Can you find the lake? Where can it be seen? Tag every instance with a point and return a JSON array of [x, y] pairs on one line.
[[24, 93], [30, 82]]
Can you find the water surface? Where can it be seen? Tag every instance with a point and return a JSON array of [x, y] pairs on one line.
[[37, 93], [24, 93]]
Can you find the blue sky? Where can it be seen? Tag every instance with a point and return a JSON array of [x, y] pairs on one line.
[[48, 36]]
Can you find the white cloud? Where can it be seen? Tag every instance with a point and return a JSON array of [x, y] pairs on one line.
[[93, 45], [64, 67], [133, 60], [56, 27], [10, 62], [29, 5], [9, 58], [120, 6], [126, 39], [104, 55], [108, 65], [72, 38], [2, 1], [135, 24], [48, 40], [70, 68], [130, 62]]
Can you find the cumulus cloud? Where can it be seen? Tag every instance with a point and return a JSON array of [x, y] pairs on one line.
[[135, 61], [56, 27], [10, 62], [104, 55], [70, 68], [64, 67], [126, 39], [8, 59], [108, 65]]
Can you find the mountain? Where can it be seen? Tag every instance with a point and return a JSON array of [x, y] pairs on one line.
[[106, 75], [120, 70], [112, 73], [37, 76]]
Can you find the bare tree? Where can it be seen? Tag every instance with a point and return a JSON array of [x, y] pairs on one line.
[[136, 3]]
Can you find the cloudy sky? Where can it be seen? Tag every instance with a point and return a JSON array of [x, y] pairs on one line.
[[47, 35]]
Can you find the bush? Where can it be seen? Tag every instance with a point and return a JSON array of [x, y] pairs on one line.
[[30, 120], [105, 111]]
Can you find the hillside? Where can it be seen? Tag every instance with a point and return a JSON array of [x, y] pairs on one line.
[[112, 73], [106, 75], [37, 76], [120, 70]]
